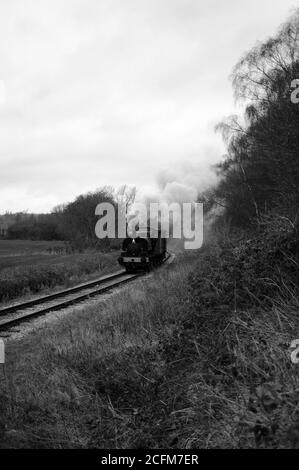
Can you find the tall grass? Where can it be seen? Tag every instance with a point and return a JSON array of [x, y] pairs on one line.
[[173, 361], [95, 378]]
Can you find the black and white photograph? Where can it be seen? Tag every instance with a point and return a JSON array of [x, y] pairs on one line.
[[149, 228]]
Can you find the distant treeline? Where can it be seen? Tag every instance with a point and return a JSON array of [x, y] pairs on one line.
[[73, 222], [33, 227]]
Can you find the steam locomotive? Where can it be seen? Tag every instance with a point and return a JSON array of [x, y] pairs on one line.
[[143, 252]]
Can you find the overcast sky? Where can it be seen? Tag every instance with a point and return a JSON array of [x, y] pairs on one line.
[[107, 92]]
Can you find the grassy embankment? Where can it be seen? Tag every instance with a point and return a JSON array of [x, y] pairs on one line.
[[195, 357], [28, 267]]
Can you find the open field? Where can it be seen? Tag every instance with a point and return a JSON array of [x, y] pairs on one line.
[[11, 247], [24, 252], [28, 267]]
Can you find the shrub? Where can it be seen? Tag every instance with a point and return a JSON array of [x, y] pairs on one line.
[[250, 272]]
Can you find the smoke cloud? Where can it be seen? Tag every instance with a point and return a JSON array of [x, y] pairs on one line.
[[182, 183]]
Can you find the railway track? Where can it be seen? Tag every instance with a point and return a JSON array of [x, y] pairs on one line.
[[25, 311], [16, 314]]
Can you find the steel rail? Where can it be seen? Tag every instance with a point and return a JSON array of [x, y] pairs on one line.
[[103, 286], [100, 285]]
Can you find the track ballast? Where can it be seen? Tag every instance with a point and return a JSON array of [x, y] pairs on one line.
[[18, 313]]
